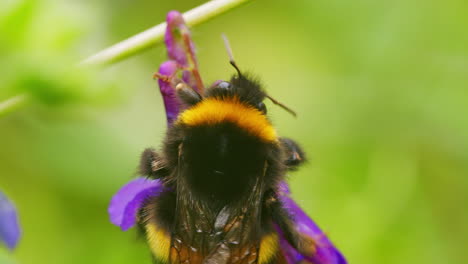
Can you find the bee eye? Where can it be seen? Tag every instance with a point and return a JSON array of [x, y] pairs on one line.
[[261, 106], [224, 85]]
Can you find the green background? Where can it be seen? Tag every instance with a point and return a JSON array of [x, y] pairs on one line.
[[381, 88]]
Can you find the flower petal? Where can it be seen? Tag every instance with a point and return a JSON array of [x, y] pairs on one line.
[[173, 38], [169, 69], [9, 227], [182, 64], [181, 49], [124, 206], [326, 252]]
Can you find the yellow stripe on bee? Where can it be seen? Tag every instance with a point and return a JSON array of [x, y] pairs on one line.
[[213, 111], [268, 248], [159, 241]]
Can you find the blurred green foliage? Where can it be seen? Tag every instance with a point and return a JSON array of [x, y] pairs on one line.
[[380, 88]]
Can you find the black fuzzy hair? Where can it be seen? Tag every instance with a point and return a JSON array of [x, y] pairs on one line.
[[245, 87]]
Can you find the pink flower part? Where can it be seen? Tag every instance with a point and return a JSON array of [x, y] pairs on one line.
[[181, 49], [167, 71]]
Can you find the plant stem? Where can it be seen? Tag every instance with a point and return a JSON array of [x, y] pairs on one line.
[[154, 35], [12, 103]]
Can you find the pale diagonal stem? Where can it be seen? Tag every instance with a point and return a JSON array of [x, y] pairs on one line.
[[154, 35], [12, 103]]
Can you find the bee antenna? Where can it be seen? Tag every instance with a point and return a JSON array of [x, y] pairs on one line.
[[233, 63], [289, 110], [230, 54]]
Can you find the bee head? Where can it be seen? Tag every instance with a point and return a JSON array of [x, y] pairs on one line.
[[241, 88], [223, 140]]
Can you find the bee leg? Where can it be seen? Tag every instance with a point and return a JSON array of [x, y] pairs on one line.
[[187, 95], [152, 164], [295, 156], [286, 224]]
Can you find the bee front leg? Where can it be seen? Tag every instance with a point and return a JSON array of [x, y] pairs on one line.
[[285, 222], [295, 156], [152, 164]]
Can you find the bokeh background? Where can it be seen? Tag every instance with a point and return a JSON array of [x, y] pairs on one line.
[[381, 88]]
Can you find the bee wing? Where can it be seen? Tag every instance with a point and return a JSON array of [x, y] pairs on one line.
[[126, 203], [235, 245], [228, 240], [324, 253]]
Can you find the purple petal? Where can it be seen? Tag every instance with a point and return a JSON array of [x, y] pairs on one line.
[[189, 78], [9, 227], [181, 52], [177, 48], [168, 92], [124, 206], [326, 252], [180, 48]]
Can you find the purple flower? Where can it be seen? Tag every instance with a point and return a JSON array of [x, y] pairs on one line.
[[182, 66], [174, 39], [167, 89], [181, 49], [9, 227], [124, 206]]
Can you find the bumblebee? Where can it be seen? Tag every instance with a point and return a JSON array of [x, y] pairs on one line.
[[221, 165]]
